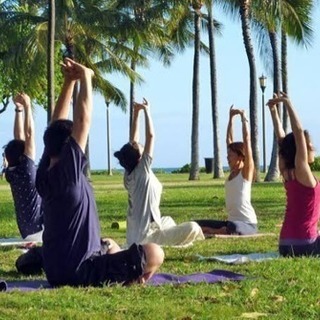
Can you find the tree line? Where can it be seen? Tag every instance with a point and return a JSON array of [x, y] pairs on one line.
[[120, 36]]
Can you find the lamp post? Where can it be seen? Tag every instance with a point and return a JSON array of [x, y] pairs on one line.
[[263, 84], [108, 139]]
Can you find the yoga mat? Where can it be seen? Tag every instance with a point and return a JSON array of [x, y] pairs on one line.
[[24, 285], [16, 242], [213, 276], [158, 279], [241, 258], [237, 236]]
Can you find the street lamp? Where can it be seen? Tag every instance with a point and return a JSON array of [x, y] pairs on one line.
[[108, 139], [263, 85]]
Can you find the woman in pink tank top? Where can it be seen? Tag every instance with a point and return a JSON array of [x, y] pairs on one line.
[[299, 234]]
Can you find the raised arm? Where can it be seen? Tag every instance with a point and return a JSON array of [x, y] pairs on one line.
[[83, 109], [248, 168], [302, 169], [278, 129], [61, 110], [229, 137], [135, 123], [18, 132], [30, 146], [149, 139], [149, 145]]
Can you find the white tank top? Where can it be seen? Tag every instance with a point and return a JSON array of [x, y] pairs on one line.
[[238, 200]]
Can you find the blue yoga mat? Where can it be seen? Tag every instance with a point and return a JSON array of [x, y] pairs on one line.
[[213, 276]]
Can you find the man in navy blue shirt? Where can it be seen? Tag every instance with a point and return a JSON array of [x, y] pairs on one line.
[[21, 171], [72, 249]]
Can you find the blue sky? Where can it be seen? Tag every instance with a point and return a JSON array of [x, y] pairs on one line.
[[169, 91]]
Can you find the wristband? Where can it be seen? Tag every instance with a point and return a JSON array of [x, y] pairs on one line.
[[18, 110]]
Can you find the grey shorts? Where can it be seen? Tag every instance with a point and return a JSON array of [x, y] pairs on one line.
[[122, 267]]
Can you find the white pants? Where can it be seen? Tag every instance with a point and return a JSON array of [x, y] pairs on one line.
[[172, 234]]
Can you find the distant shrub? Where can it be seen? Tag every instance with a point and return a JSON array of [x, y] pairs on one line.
[[186, 169], [316, 165]]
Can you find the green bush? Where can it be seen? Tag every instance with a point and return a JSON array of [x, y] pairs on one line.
[[186, 169], [315, 166]]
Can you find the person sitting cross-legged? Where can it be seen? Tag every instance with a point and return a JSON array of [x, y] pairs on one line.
[[144, 221], [299, 234], [242, 219], [21, 171], [72, 250]]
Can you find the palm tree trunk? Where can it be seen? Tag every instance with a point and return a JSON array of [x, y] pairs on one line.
[[245, 24], [194, 169], [284, 73], [217, 169], [50, 59], [273, 172], [132, 98]]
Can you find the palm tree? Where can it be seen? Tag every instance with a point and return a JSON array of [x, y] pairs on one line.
[[142, 24], [18, 24], [273, 171], [284, 75], [194, 168], [244, 9], [217, 170], [94, 43], [293, 19], [296, 19], [51, 56]]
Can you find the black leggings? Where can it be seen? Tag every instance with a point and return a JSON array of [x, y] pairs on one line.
[[312, 249], [233, 227]]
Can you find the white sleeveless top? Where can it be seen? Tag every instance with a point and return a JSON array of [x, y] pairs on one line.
[[238, 200]]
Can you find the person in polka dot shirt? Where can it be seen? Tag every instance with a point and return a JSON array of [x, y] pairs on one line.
[[21, 171]]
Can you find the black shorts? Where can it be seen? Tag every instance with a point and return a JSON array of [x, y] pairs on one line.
[[122, 267]]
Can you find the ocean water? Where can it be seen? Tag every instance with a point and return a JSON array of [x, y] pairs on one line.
[[155, 170]]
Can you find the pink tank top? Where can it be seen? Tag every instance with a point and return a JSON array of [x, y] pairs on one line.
[[302, 214]]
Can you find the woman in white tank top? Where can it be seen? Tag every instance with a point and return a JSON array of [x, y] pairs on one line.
[[241, 219]]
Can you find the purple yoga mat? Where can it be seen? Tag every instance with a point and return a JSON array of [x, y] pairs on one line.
[[24, 285], [208, 277], [158, 279]]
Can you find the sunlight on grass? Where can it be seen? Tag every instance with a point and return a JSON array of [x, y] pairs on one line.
[[276, 289]]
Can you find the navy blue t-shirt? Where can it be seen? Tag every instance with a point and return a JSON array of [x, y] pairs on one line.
[[26, 199], [71, 226]]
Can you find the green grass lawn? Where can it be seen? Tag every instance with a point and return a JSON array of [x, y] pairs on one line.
[[276, 289]]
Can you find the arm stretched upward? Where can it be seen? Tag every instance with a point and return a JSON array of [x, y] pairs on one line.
[[302, 169]]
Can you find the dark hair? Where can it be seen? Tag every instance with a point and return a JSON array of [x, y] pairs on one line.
[[128, 157], [56, 136], [238, 148], [287, 148], [13, 151]]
